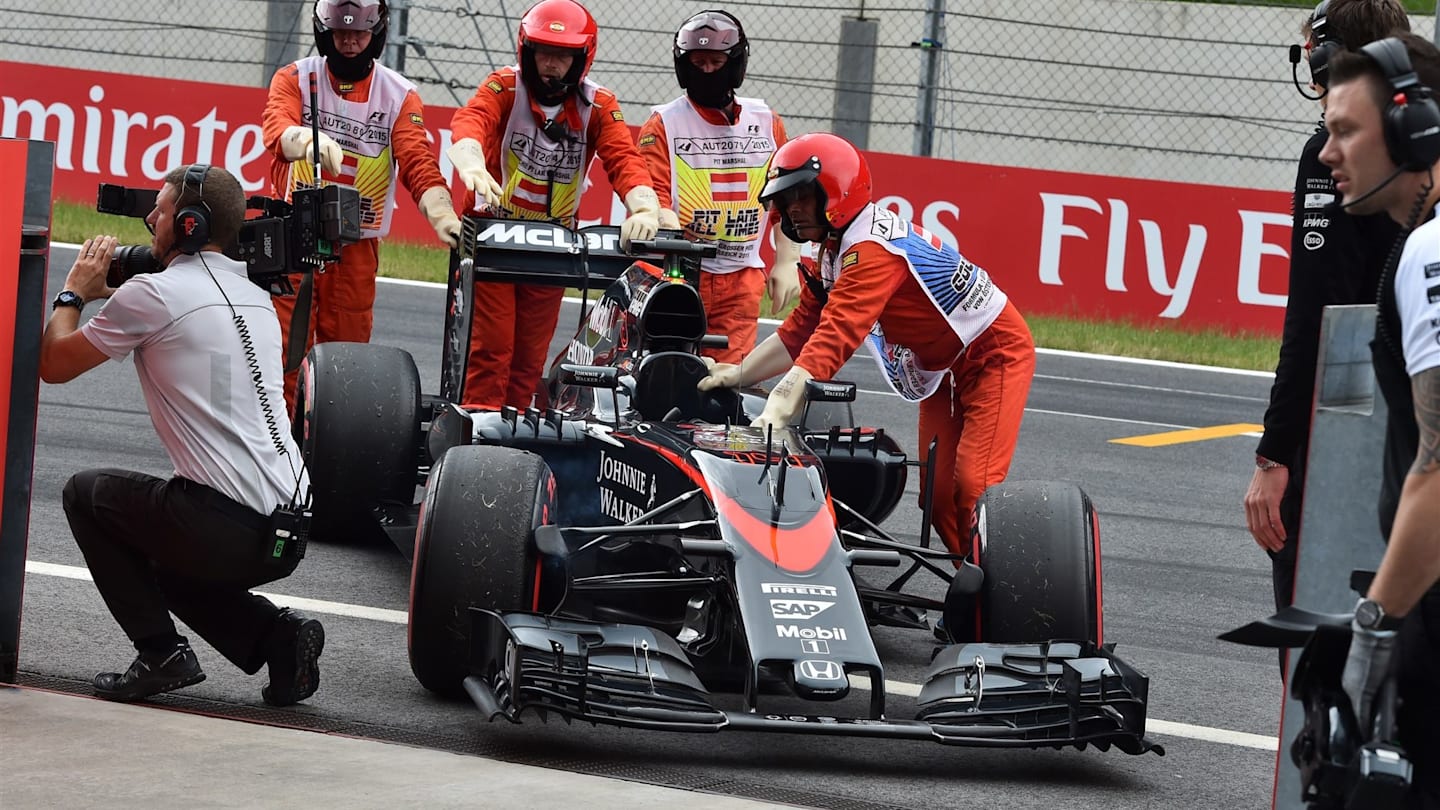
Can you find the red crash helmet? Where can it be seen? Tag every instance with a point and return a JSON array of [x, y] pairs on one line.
[[560, 24], [836, 167]]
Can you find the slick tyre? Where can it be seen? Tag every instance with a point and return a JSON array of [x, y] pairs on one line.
[[474, 547], [1039, 547], [358, 430]]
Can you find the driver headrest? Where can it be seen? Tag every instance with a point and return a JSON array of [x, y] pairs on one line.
[[667, 380]]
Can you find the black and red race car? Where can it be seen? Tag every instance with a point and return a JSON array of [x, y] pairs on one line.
[[630, 551]]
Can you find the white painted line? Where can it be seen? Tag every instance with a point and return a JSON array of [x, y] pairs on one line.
[[405, 282], [1165, 727], [1109, 419], [1157, 388], [298, 602]]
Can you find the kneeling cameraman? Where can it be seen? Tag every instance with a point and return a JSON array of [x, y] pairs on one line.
[[207, 351]]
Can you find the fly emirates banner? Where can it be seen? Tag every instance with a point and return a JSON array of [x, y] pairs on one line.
[[1057, 242]]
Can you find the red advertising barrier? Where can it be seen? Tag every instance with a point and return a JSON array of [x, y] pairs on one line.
[[1057, 242]]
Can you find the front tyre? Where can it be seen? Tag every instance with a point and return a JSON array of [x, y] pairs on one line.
[[474, 547], [1039, 547]]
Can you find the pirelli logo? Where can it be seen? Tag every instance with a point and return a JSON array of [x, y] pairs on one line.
[[495, 86]]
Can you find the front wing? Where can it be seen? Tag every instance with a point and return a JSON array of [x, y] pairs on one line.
[[985, 695]]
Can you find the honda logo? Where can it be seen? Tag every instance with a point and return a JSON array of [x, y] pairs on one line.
[[822, 671]]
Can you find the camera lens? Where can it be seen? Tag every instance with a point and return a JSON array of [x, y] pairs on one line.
[[128, 262]]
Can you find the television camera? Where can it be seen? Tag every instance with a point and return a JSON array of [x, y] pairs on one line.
[[293, 237]]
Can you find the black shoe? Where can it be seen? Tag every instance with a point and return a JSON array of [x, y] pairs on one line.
[[292, 652], [151, 674], [941, 634]]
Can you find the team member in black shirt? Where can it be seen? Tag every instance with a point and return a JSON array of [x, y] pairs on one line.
[[1335, 258]]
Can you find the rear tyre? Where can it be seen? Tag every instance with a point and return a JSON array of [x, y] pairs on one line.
[[359, 430], [1039, 547], [474, 547]]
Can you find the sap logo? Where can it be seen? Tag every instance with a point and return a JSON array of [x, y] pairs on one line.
[[798, 590], [1315, 221], [824, 633], [1313, 240], [797, 608]]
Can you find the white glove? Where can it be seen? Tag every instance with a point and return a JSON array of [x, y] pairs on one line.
[[669, 220], [786, 400], [783, 283], [644, 219], [295, 144], [722, 375], [435, 204], [468, 158], [783, 287], [769, 358], [1366, 668]]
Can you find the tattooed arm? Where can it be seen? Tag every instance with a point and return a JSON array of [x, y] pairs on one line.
[[1412, 560]]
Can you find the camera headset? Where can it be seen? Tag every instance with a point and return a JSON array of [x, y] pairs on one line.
[[191, 225], [1326, 47], [1410, 120]]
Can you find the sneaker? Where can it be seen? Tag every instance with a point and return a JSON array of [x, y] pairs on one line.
[[293, 649], [941, 634], [151, 674]]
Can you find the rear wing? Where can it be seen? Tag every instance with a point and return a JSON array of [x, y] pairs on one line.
[[533, 252]]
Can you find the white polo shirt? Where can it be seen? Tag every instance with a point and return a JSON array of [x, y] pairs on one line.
[[199, 387]]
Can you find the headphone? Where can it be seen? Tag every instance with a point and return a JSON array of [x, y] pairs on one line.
[[1411, 119], [191, 225], [1325, 47]]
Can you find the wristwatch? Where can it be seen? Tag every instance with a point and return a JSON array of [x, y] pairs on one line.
[[1262, 463], [1371, 616], [68, 298]]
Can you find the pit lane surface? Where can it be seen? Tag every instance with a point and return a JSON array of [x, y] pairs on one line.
[[1178, 569]]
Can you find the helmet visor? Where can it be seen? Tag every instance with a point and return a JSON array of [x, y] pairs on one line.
[[348, 15], [707, 31], [793, 179]]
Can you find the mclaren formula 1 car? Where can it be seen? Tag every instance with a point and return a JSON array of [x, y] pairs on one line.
[[630, 551]]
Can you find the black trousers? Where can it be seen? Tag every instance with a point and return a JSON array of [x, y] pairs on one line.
[[1282, 562], [156, 547], [1418, 677]]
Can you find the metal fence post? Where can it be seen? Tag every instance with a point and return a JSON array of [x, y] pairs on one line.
[[26, 177], [394, 56], [930, 48], [855, 79], [281, 41]]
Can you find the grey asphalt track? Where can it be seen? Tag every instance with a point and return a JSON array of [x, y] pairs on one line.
[[1179, 568]]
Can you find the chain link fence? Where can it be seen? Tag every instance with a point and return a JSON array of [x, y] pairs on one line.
[[1193, 92]]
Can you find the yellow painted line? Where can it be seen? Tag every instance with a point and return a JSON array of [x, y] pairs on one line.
[[1191, 435]]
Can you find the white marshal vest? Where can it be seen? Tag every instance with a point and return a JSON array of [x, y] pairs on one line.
[[362, 128], [542, 179], [961, 291], [716, 174]]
